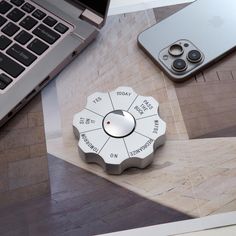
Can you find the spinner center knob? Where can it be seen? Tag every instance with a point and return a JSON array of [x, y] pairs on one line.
[[119, 124]]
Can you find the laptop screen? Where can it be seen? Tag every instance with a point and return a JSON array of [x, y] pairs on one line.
[[99, 7]]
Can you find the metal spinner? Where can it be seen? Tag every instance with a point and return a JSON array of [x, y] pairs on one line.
[[119, 129]]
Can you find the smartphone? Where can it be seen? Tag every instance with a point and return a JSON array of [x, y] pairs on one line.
[[192, 39]]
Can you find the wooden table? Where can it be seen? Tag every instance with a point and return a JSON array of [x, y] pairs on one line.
[[23, 163], [194, 172], [23, 156]]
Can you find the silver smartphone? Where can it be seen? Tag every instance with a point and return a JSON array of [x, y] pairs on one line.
[[192, 38]]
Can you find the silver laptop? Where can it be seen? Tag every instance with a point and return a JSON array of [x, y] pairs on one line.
[[38, 38]]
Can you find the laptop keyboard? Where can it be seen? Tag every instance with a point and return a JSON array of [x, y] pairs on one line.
[[26, 33]]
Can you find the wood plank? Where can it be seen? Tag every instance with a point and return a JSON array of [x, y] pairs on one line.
[[82, 204]]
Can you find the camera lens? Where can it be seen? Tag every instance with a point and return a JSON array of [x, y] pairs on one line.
[[179, 65], [176, 50], [194, 56]]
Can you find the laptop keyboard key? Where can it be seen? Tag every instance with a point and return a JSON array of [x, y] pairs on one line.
[[23, 37], [9, 66], [28, 22], [38, 14], [10, 29], [49, 21], [2, 20], [4, 7], [15, 15], [21, 55], [2, 85], [27, 7], [4, 42], [38, 47], [4, 81], [46, 34], [61, 28], [4, 78], [17, 2]]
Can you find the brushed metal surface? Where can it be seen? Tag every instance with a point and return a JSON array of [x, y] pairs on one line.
[[123, 138]]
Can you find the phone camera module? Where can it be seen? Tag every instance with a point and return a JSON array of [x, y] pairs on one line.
[[176, 50], [194, 56], [179, 65]]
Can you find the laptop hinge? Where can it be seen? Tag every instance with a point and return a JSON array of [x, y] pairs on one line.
[[92, 18]]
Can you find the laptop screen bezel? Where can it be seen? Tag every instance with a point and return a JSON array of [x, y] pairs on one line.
[[92, 9]]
